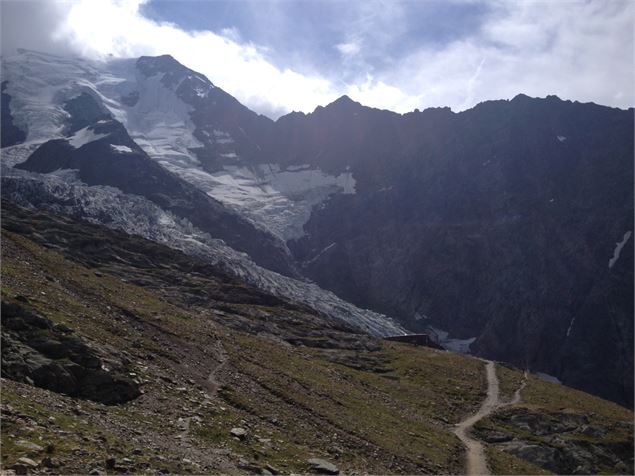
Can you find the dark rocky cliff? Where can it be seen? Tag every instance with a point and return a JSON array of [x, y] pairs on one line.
[[496, 223]]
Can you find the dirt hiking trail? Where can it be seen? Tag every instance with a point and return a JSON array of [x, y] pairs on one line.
[[476, 462]]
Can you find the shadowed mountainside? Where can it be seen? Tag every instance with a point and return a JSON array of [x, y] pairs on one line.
[[210, 354]]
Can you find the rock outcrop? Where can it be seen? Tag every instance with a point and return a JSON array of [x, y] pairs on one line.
[[47, 355]]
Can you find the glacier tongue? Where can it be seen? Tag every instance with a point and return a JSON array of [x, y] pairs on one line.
[[275, 199], [136, 215]]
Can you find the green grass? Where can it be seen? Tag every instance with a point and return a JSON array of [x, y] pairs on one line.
[[78, 432], [432, 389], [509, 380], [382, 412], [503, 463], [551, 401]]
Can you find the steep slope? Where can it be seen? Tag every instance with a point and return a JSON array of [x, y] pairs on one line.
[[10, 133], [103, 153], [497, 227], [136, 215], [211, 354], [504, 230], [181, 120]]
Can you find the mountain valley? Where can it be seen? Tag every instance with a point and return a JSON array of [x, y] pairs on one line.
[[191, 287], [230, 379]]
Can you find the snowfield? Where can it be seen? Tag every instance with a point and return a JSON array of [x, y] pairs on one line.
[[274, 199], [84, 136]]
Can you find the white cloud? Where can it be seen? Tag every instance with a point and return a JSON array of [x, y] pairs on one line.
[[97, 29], [348, 49], [27, 24], [378, 94], [577, 50]]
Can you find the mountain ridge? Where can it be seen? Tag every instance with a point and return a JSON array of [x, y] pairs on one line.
[[401, 211]]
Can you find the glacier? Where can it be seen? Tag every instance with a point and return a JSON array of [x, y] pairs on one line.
[[277, 200], [136, 215], [273, 198]]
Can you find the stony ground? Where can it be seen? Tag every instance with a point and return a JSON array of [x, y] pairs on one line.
[[231, 380]]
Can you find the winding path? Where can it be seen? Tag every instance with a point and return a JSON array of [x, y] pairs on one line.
[[476, 460], [212, 385]]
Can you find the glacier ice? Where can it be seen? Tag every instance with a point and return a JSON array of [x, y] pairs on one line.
[[136, 215], [274, 199]]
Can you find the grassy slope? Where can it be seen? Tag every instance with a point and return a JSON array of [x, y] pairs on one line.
[[384, 411], [381, 411], [550, 399]]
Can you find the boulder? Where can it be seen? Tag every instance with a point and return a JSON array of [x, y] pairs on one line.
[[39, 353], [322, 466], [28, 462], [239, 433], [543, 456], [29, 445]]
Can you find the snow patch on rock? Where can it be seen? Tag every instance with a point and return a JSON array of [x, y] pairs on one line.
[[221, 137], [317, 256], [121, 149], [570, 328], [618, 248], [84, 136]]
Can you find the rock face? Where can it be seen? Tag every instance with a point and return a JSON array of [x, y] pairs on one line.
[[36, 351], [416, 339], [10, 133], [558, 442], [496, 223], [224, 128]]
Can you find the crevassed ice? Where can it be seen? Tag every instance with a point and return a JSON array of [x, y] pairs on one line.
[[39, 84], [137, 215], [277, 200], [34, 84], [159, 122]]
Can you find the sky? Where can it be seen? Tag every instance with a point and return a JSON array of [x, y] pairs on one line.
[[282, 56]]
